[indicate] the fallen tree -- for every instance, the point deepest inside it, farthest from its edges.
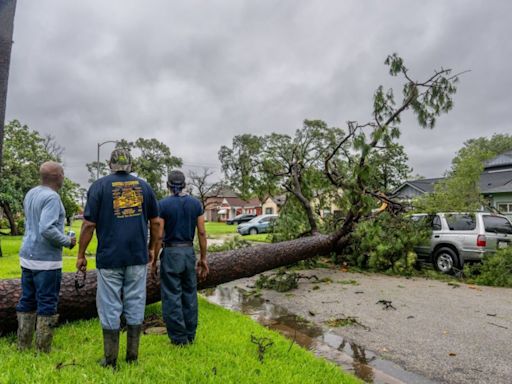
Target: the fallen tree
(226, 266)
(349, 171)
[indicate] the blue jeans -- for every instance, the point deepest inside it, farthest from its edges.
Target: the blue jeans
(40, 291)
(178, 286)
(121, 291)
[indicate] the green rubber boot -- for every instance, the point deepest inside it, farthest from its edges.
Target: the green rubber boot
(110, 348)
(132, 342)
(44, 332)
(26, 328)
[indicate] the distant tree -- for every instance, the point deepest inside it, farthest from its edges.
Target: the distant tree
(24, 152)
(202, 188)
(69, 195)
(389, 164)
(239, 162)
(152, 160)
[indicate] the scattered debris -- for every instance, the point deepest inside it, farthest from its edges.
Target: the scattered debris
(491, 314)
(345, 322)
(311, 313)
(474, 287)
(499, 326)
(348, 282)
(63, 365)
(263, 344)
(401, 286)
(358, 292)
(282, 281)
(315, 287)
(454, 285)
(293, 340)
(387, 304)
(410, 317)
(153, 321)
(330, 302)
(452, 354)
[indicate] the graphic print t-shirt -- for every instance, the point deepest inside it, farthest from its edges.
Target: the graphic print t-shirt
(121, 205)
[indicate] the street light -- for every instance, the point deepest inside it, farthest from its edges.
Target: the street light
(98, 158)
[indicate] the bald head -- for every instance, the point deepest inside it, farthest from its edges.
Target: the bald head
(52, 175)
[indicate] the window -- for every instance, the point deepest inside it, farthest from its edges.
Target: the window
(497, 224)
(436, 223)
(505, 207)
(461, 221)
(269, 211)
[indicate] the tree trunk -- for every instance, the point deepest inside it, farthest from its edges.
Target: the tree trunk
(10, 218)
(224, 267)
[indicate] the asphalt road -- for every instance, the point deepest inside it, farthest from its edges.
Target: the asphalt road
(450, 334)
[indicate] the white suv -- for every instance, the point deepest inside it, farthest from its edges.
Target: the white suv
(459, 237)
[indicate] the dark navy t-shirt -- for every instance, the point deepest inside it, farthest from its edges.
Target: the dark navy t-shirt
(121, 205)
(180, 214)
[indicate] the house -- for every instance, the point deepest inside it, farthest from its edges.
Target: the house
(226, 205)
(495, 184)
(272, 205)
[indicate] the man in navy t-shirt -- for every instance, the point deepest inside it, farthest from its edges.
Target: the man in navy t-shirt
(119, 207)
(181, 215)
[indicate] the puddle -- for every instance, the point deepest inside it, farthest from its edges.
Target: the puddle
(352, 357)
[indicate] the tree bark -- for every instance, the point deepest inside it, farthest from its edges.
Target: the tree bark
(10, 219)
(224, 267)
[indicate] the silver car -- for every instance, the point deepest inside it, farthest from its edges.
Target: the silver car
(459, 237)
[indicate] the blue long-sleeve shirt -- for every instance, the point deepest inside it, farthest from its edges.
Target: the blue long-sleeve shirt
(44, 230)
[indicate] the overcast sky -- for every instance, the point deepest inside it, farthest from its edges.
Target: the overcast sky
(195, 73)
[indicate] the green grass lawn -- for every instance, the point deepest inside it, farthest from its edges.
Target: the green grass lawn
(214, 229)
(260, 238)
(10, 264)
(223, 353)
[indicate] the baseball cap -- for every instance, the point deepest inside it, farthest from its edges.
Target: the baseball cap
(121, 160)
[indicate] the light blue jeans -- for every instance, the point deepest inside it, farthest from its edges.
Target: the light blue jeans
(121, 291)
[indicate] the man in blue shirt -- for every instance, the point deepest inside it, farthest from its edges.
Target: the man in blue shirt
(119, 207)
(41, 259)
(181, 215)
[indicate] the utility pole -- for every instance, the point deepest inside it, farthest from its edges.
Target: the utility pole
(7, 9)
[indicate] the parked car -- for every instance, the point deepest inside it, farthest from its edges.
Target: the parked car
(461, 237)
(259, 224)
(240, 219)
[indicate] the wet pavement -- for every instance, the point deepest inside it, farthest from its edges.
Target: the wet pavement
(447, 333)
(350, 356)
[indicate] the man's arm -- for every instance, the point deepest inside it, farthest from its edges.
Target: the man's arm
(48, 224)
(202, 264)
(86, 233)
(155, 238)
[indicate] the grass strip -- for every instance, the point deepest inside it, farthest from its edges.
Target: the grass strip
(223, 353)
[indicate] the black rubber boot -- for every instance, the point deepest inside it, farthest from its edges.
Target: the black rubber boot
(110, 348)
(44, 332)
(133, 333)
(26, 328)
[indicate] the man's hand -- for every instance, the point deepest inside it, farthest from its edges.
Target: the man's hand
(81, 264)
(202, 269)
(72, 242)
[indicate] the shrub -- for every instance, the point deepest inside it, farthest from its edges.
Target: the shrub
(385, 243)
(494, 270)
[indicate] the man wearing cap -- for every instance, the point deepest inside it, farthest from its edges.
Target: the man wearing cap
(119, 207)
(41, 259)
(181, 214)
